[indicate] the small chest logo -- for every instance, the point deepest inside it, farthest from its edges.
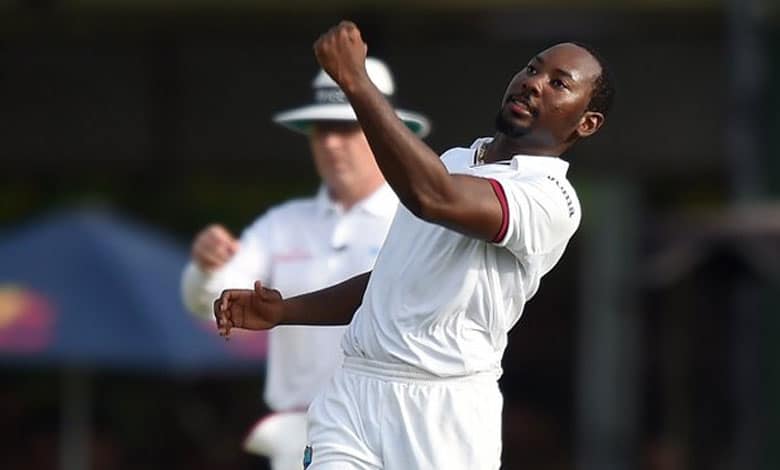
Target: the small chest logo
(307, 456)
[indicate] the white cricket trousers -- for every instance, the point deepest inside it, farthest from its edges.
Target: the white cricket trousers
(387, 416)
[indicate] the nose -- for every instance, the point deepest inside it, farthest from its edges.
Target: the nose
(330, 138)
(532, 84)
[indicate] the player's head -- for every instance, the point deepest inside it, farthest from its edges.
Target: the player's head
(563, 94)
(341, 152)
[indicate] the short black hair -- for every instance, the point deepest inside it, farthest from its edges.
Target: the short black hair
(604, 89)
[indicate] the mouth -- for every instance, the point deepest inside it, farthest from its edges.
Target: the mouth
(521, 106)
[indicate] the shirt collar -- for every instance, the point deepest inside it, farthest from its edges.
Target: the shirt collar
(377, 203)
(380, 201)
(531, 163)
(538, 164)
(323, 202)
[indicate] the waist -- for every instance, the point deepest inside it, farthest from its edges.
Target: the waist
(392, 371)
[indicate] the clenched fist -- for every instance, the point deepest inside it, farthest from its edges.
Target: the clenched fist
(213, 247)
(341, 52)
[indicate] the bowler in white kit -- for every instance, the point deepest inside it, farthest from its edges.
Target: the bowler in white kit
(478, 229)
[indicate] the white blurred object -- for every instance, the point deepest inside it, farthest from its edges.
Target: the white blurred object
(281, 437)
(331, 104)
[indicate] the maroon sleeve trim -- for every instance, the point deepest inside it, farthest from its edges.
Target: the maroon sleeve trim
(499, 190)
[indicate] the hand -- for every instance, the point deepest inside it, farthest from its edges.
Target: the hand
(258, 309)
(213, 247)
(341, 52)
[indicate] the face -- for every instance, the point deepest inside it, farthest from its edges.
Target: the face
(343, 158)
(546, 102)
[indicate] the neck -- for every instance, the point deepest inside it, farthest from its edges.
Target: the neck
(349, 196)
(503, 148)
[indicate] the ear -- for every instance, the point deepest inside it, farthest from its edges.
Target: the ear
(589, 124)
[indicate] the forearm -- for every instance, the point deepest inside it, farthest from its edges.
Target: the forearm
(412, 169)
(335, 305)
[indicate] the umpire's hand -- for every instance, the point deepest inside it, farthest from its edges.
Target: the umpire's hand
(213, 247)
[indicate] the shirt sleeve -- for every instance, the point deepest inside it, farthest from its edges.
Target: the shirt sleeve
(539, 214)
(252, 261)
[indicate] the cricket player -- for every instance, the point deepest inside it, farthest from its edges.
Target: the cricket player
(477, 230)
(301, 246)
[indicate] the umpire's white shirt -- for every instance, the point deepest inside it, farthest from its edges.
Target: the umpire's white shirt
(443, 302)
(297, 247)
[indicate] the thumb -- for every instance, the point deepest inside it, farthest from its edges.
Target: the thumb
(232, 246)
(261, 291)
(265, 294)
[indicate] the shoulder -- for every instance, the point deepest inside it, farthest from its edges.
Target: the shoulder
(458, 157)
(287, 211)
(551, 193)
(543, 211)
(462, 157)
(300, 204)
(564, 194)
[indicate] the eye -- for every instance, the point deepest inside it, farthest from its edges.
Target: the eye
(530, 69)
(558, 83)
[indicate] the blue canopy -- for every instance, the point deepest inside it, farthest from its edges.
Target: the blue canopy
(85, 288)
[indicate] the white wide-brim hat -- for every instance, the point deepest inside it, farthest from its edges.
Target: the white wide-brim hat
(330, 103)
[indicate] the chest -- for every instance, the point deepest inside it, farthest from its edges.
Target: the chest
(310, 253)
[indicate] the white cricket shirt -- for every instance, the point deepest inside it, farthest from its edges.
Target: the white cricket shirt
(297, 247)
(442, 302)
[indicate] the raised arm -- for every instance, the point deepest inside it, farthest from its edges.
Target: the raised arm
(466, 204)
(263, 308)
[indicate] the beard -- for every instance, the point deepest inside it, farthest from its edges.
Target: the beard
(507, 128)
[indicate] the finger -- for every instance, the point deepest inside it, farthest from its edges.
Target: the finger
(218, 302)
(217, 240)
(227, 327)
(224, 303)
(224, 240)
(218, 231)
(228, 249)
(221, 305)
(350, 29)
(232, 246)
(209, 260)
(211, 253)
(205, 236)
(224, 325)
(214, 254)
(213, 237)
(217, 309)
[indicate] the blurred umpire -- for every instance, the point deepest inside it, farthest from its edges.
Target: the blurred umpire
(300, 246)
